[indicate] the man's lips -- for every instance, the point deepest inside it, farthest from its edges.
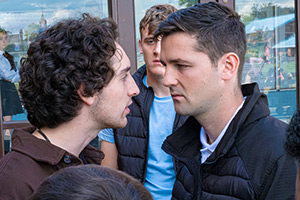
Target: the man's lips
(127, 108)
(176, 96)
(157, 62)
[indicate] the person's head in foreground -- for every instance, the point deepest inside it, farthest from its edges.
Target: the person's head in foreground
(92, 182)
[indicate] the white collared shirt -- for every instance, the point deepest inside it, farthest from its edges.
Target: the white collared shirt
(208, 149)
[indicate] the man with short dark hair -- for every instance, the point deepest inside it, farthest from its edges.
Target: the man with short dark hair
(75, 81)
(230, 147)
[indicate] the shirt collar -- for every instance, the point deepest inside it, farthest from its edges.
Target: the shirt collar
(44, 151)
(1, 52)
(210, 148)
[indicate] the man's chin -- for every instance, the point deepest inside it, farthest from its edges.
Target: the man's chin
(121, 124)
(181, 111)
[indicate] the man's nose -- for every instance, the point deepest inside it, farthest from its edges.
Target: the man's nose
(133, 88)
(170, 78)
(157, 47)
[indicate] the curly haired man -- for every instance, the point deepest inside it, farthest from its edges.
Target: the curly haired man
(74, 82)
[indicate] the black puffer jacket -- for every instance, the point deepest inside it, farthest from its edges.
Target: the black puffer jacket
(132, 141)
(248, 163)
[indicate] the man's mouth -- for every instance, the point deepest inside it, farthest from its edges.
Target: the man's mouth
(176, 96)
(157, 62)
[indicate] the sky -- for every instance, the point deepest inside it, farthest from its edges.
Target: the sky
(18, 14)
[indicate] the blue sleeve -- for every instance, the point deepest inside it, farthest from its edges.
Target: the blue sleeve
(107, 135)
(5, 72)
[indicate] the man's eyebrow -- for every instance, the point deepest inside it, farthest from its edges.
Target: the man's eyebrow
(175, 60)
(149, 38)
(125, 70)
(178, 60)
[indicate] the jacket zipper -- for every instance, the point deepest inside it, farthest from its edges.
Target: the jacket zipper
(146, 115)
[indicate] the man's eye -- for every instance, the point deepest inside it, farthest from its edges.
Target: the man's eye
(150, 41)
(182, 66)
(124, 77)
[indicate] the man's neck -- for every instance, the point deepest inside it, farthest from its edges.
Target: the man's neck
(71, 136)
(157, 84)
(215, 121)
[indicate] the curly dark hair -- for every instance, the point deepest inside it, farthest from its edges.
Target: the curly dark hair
(292, 144)
(70, 54)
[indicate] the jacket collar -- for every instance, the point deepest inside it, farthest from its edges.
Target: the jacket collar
(144, 91)
(185, 142)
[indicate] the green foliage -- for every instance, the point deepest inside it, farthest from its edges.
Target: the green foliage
(265, 10)
(187, 3)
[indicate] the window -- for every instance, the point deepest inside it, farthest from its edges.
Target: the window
(271, 55)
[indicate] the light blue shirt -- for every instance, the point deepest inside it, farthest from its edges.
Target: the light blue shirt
(5, 70)
(208, 149)
(107, 135)
(160, 174)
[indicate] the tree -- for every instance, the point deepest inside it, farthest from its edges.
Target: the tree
(187, 3)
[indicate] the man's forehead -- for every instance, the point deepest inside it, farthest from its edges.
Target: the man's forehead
(145, 32)
(119, 61)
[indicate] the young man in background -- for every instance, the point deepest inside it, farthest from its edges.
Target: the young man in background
(136, 149)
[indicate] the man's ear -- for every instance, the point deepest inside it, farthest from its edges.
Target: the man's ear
(88, 100)
(140, 46)
(230, 64)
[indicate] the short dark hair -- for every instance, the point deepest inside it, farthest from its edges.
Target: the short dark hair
(93, 182)
(154, 16)
(70, 54)
(292, 144)
(218, 30)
